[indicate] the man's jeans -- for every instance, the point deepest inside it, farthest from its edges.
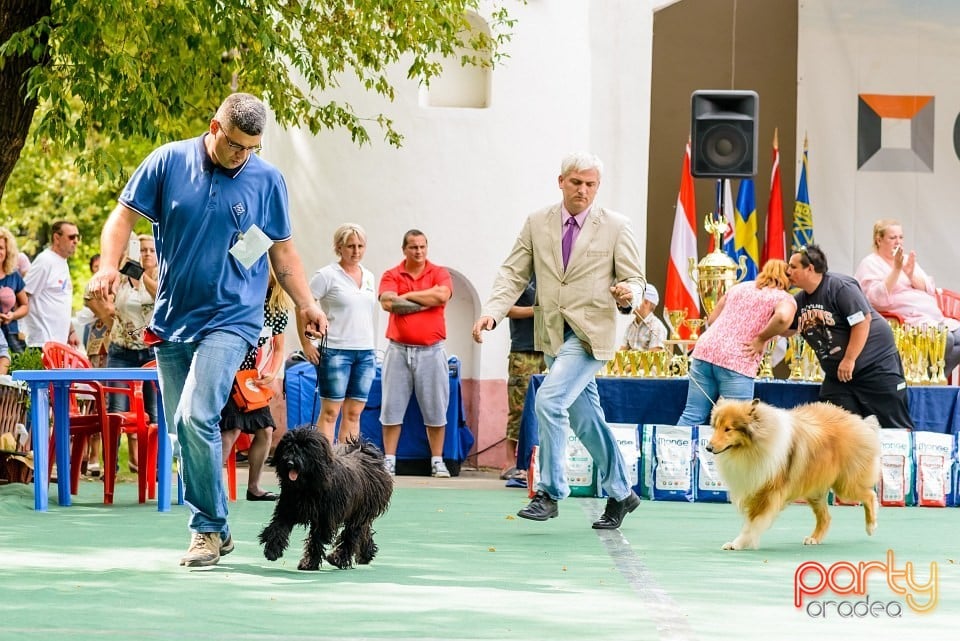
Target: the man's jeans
(569, 395)
(195, 381)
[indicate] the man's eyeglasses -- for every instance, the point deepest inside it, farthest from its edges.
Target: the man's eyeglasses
(237, 146)
(70, 236)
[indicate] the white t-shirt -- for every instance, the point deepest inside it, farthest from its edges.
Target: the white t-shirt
(350, 309)
(50, 291)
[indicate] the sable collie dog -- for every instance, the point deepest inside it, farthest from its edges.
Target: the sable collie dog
(769, 457)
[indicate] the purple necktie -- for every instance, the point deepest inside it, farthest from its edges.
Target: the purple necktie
(566, 245)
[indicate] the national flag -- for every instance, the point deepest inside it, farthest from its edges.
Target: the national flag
(802, 214)
(745, 231)
(681, 291)
(774, 244)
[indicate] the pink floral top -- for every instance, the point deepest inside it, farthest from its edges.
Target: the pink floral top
(746, 311)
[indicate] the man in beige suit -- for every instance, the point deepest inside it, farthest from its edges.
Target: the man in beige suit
(588, 270)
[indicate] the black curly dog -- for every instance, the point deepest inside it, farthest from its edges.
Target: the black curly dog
(328, 489)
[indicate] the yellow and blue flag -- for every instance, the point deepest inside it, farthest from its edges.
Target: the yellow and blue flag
(745, 232)
(802, 214)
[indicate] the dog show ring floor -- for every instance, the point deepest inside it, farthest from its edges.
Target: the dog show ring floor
(456, 563)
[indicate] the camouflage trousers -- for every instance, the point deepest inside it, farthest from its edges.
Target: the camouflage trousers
(520, 367)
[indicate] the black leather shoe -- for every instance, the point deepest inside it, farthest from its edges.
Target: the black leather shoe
(615, 511)
(541, 508)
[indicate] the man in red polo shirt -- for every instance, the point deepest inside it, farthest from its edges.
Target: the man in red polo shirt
(415, 293)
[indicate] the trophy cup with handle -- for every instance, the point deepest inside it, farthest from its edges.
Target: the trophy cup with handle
(694, 325)
(716, 272)
(796, 357)
(676, 317)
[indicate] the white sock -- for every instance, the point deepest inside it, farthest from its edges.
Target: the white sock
(436, 459)
(390, 457)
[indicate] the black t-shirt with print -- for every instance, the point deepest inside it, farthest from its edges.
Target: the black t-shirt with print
(825, 317)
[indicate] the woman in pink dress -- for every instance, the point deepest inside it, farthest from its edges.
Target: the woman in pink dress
(894, 282)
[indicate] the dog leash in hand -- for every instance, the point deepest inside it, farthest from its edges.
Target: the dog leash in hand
(322, 349)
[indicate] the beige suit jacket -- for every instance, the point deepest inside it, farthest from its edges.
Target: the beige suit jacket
(605, 254)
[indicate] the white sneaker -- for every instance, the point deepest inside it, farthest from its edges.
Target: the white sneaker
(390, 465)
(439, 470)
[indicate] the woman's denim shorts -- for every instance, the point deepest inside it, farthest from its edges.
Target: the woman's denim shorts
(347, 373)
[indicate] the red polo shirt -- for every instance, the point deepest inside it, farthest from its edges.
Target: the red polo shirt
(426, 327)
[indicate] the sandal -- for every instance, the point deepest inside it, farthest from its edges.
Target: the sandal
(266, 496)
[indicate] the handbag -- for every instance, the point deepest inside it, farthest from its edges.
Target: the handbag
(247, 395)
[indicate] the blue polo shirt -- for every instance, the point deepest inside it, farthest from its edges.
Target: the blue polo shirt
(198, 211)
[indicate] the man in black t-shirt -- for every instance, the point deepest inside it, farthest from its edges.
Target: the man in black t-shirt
(854, 344)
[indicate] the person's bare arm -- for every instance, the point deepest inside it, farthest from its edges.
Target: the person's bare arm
(290, 276)
(433, 297)
(113, 241)
(393, 303)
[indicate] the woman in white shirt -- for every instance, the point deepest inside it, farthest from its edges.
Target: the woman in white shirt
(347, 292)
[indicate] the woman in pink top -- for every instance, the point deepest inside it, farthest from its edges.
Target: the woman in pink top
(725, 360)
(894, 282)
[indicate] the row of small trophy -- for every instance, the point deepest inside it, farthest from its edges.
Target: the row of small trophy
(635, 362)
(922, 351)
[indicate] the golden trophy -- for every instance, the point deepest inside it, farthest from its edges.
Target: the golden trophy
(937, 347)
(677, 318)
(766, 363)
(694, 325)
(636, 363)
(716, 272)
(797, 345)
(648, 362)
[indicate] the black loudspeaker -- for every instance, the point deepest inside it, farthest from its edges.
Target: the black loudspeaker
(724, 133)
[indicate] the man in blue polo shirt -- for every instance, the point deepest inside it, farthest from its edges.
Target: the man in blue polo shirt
(217, 210)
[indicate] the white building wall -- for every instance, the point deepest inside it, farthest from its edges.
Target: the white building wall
(578, 77)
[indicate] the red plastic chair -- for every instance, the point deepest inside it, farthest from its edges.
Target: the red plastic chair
(136, 421)
(242, 444)
(893, 316)
(949, 302)
(86, 422)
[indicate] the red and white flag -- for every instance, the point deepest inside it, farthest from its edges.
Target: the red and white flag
(774, 243)
(680, 291)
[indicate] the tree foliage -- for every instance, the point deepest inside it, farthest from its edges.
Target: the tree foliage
(99, 73)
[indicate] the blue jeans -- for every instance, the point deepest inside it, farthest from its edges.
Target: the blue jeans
(708, 382)
(568, 396)
(195, 380)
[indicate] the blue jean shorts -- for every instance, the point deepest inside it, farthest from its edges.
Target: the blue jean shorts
(347, 373)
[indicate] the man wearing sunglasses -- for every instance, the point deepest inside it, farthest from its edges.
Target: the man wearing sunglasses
(217, 212)
(50, 290)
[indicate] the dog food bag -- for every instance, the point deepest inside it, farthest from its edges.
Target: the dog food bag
(708, 486)
(579, 468)
(893, 480)
(673, 459)
(646, 462)
(629, 444)
(931, 489)
(896, 459)
(935, 452)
